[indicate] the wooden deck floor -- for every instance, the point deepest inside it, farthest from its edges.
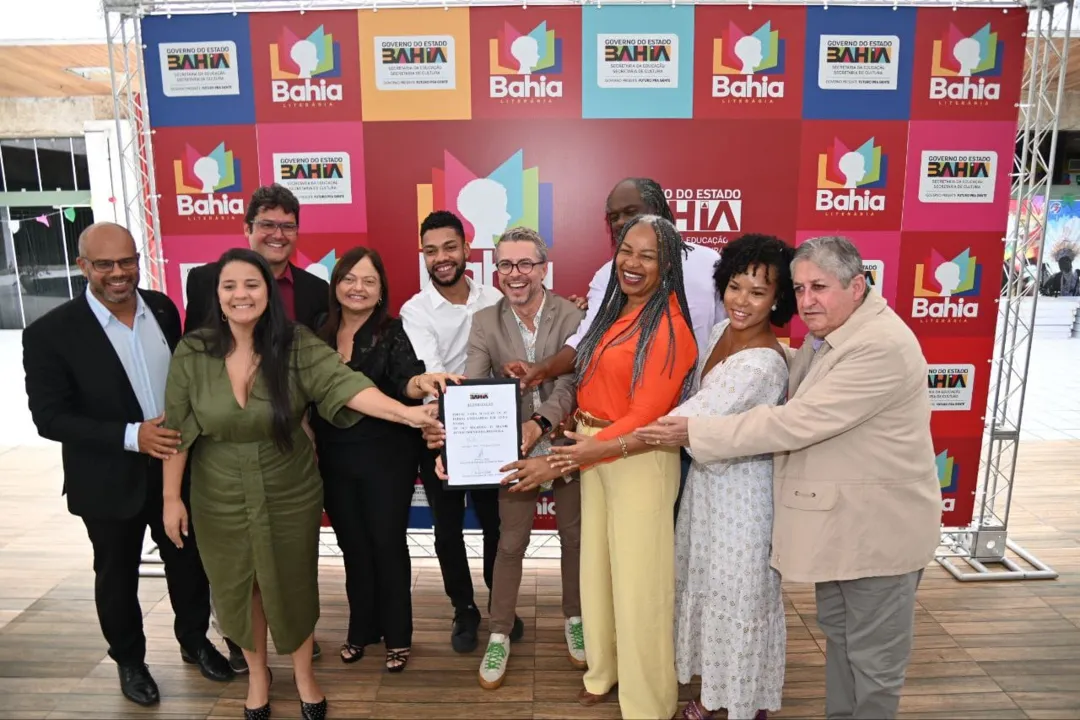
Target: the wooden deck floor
(982, 650)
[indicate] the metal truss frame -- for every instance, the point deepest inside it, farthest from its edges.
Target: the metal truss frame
(123, 33)
(986, 540)
(981, 544)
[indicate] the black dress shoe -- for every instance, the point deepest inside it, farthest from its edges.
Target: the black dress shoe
(466, 623)
(212, 664)
(138, 685)
(519, 630)
(237, 661)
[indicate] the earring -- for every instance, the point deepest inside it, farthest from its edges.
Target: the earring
(378, 302)
(223, 318)
(774, 306)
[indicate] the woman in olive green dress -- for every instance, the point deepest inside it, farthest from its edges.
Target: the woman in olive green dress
(240, 388)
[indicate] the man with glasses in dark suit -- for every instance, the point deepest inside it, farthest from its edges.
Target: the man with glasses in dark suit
(95, 378)
(272, 224)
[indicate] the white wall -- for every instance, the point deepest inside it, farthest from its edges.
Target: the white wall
(16, 427)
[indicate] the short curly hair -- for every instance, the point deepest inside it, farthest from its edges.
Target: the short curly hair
(775, 255)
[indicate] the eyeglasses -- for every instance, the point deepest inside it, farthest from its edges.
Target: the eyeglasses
(505, 267)
(269, 227)
(104, 266)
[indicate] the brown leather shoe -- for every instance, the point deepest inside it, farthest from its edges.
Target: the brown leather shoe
(587, 699)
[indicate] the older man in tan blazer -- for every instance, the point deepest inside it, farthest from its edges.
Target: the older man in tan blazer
(858, 504)
(529, 323)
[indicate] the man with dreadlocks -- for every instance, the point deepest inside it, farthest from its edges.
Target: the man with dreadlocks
(642, 330)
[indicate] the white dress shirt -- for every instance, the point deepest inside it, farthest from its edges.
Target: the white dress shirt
(706, 305)
(439, 330)
(144, 353)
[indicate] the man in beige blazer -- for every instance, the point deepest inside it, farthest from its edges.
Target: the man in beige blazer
(858, 503)
(532, 323)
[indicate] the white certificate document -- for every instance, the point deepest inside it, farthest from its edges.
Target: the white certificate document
(483, 431)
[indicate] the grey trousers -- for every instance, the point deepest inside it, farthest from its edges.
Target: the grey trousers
(868, 624)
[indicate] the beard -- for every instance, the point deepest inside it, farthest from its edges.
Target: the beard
(459, 270)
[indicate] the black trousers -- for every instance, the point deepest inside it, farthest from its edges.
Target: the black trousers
(448, 510)
(118, 548)
(367, 490)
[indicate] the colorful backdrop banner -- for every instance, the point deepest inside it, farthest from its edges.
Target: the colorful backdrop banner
(894, 128)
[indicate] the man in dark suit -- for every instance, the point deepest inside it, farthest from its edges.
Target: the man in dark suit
(271, 224)
(95, 376)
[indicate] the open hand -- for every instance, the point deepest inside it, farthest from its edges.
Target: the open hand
(581, 302)
(156, 440)
(586, 450)
(529, 474)
(175, 519)
(435, 383)
(530, 433)
(422, 416)
(434, 436)
(673, 431)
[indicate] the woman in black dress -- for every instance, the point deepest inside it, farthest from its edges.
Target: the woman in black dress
(369, 470)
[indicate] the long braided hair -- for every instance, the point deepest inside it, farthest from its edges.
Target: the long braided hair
(671, 248)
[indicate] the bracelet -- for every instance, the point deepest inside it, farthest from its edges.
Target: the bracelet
(622, 444)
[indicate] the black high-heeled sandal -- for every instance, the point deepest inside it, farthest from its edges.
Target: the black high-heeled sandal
(399, 658)
(355, 653)
(262, 713)
(313, 711)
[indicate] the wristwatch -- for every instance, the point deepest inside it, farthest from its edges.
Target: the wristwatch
(543, 422)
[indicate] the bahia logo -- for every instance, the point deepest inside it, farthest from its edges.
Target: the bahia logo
(303, 70)
(510, 196)
(521, 65)
(851, 181)
(199, 174)
(963, 67)
(948, 474)
(747, 67)
(944, 288)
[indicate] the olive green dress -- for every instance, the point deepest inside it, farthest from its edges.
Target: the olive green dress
(255, 509)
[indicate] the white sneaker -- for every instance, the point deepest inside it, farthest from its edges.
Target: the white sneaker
(575, 642)
(493, 666)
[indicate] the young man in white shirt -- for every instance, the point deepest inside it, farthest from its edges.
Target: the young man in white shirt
(438, 320)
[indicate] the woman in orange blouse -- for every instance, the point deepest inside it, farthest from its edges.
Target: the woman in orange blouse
(635, 364)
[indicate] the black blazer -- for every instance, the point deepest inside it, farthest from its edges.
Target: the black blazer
(80, 396)
(310, 293)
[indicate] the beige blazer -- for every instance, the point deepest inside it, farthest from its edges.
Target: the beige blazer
(855, 483)
(495, 340)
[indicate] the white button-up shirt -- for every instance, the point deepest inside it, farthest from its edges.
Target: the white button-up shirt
(144, 353)
(439, 330)
(706, 305)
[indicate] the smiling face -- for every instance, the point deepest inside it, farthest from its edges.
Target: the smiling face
(749, 296)
(110, 262)
(272, 234)
(359, 291)
(519, 287)
(242, 292)
(444, 255)
(637, 262)
(824, 303)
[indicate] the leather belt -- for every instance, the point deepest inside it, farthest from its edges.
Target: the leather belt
(591, 421)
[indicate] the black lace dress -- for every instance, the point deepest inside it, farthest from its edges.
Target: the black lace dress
(369, 471)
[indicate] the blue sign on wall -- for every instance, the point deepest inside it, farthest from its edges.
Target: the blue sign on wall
(858, 63)
(198, 70)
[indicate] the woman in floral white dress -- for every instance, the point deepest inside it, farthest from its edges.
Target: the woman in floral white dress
(729, 616)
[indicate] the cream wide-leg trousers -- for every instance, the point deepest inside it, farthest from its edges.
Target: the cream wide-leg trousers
(628, 580)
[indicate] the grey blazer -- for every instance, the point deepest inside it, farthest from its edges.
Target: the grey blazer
(495, 340)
